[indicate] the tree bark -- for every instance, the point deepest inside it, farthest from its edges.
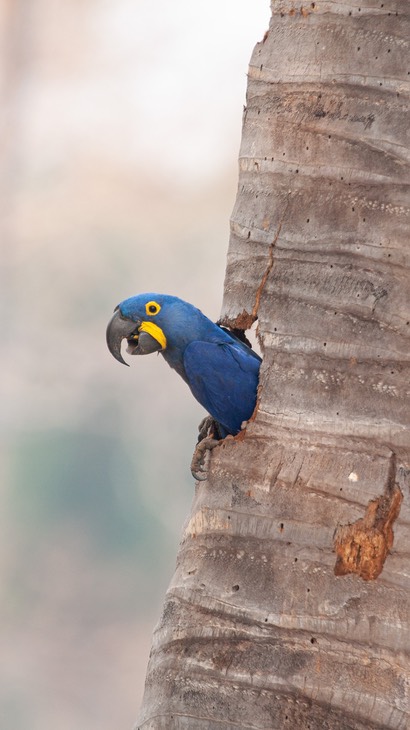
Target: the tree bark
(289, 606)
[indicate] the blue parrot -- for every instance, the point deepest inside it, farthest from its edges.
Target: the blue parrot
(221, 370)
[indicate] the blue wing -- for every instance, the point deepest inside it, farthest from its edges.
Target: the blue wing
(223, 377)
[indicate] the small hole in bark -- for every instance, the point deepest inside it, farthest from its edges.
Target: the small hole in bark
(364, 220)
(308, 590)
(295, 560)
(337, 413)
(307, 220)
(358, 48)
(312, 5)
(388, 50)
(235, 588)
(313, 640)
(281, 526)
(341, 177)
(324, 344)
(341, 489)
(266, 620)
(229, 517)
(296, 170)
(353, 209)
(331, 266)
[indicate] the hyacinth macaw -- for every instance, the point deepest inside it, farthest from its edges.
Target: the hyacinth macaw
(221, 370)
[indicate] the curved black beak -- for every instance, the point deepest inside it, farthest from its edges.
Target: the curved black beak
(139, 343)
(119, 328)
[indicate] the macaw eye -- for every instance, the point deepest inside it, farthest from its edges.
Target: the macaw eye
(152, 308)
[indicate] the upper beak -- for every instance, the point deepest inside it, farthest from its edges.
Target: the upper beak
(120, 328)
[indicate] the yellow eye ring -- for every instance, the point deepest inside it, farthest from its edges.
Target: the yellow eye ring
(152, 308)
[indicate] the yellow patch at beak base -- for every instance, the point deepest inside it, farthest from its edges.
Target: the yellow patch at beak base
(155, 332)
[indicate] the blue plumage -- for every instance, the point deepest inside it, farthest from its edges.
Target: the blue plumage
(221, 371)
(223, 378)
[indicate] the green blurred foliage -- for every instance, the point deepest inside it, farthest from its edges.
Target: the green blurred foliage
(61, 476)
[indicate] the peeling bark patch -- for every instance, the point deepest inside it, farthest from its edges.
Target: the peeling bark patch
(243, 321)
(362, 547)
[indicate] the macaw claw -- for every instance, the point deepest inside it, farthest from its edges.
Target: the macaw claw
(198, 469)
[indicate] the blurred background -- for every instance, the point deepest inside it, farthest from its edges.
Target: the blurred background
(120, 129)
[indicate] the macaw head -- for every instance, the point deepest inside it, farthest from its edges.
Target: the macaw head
(151, 323)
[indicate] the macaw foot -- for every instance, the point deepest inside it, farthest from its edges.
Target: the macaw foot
(206, 443)
(207, 427)
(210, 434)
(210, 427)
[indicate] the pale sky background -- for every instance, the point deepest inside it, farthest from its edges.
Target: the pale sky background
(152, 83)
(121, 128)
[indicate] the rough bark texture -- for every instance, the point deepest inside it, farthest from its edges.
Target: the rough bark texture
(290, 604)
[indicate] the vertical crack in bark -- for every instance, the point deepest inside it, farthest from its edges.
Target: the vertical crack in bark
(362, 547)
(268, 269)
(245, 320)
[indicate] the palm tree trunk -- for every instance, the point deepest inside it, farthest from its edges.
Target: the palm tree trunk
(290, 603)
